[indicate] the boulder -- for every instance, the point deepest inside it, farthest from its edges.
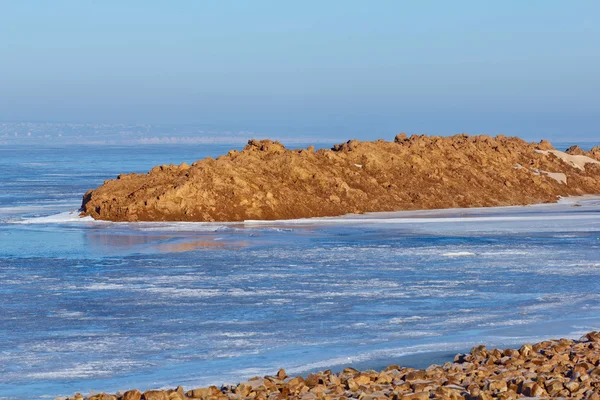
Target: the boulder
(132, 395)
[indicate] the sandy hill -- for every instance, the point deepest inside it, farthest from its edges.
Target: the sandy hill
(268, 181)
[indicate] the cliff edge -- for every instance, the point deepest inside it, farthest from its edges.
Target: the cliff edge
(267, 181)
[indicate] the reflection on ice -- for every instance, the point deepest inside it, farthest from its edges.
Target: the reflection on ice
(102, 240)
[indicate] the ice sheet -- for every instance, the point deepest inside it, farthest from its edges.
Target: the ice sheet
(163, 304)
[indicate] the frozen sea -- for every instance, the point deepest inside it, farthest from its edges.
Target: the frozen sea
(87, 305)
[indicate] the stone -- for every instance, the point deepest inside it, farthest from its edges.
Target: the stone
(281, 374)
(575, 150)
(497, 386)
(256, 383)
(508, 395)
(132, 395)
(525, 350)
(296, 384)
(102, 396)
(362, 380)
(352, 385)
(243, 390)
(416, 396)
(156, 395)
(545, 145)
(554, 387)
(200, 393)
(384, 378)
(415, 375)
(572, 386)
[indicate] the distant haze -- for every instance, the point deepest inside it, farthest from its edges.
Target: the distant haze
(310, 69)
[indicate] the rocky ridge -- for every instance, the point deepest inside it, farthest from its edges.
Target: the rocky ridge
(549, 369)
(576, 150)
(267, 181)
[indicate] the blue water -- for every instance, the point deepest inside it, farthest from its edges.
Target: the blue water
(587, 146)
(102, 306)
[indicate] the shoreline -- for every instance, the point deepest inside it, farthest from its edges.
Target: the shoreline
(419, 359)
(550, 368)
(73, 216)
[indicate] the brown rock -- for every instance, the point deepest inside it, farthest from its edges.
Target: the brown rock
(509, 395)
(532, 389)
(575, 150)
(296, 384)
(200, 393)
(554, 387)
(312, 380)
(267, 181)
(156, 395)
(242, 389)
(545, 145)
(592, 395)
(416, 396)
(102, 396)
(256, 383)
(281, 374)
(384, 378)
(572, 386)
(362, 379)
(497, 386)
(352, 385)
(415, 375)
(444, 392)
(424, 386)
(526, 350)
(132, 395)
(592, 336)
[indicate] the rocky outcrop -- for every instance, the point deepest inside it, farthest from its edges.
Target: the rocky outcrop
(575, 151)
(550, 369)
(267, 181)
(578, 151)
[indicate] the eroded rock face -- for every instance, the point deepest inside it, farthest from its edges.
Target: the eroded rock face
(549, 369)
(268, 181)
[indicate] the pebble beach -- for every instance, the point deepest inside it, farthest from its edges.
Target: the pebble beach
(560, 368)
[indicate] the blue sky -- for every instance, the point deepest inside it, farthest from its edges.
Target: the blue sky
(365, 69)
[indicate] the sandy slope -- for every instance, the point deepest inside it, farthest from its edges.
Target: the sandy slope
(268, 181)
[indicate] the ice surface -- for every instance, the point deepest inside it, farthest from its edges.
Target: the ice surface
(163, 304)
(60, 218)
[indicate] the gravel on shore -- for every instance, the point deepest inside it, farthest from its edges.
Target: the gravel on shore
(550, 369)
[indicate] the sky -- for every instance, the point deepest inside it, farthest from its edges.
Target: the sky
(364, 69)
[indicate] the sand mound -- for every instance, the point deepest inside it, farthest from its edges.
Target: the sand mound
(268, 181)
